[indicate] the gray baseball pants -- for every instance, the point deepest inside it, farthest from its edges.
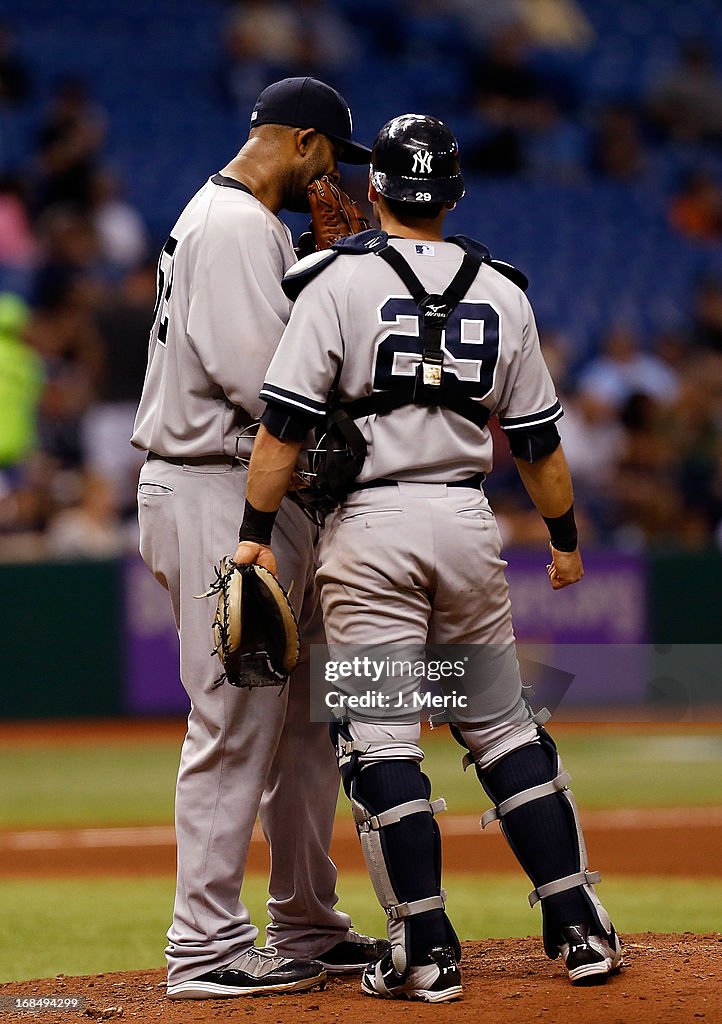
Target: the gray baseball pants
(246, 752)
(410, 563)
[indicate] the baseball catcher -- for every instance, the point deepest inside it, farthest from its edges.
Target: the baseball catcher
(413, 555)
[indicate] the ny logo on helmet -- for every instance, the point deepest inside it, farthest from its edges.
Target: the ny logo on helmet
(422, 163)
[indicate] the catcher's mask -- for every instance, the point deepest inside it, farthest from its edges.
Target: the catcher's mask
(333, 463)
(415, 159)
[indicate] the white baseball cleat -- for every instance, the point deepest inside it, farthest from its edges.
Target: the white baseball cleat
(590, 959)
(436, 981)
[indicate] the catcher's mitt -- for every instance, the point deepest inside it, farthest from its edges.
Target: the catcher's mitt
(334, 214)
(255, 629)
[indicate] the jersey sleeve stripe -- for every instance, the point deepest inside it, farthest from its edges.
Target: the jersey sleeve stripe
(271, 393)
(549, 415)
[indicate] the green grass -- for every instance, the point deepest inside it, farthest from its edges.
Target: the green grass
(103, 784)
(91, 926)
(674, 770)
(132, 783)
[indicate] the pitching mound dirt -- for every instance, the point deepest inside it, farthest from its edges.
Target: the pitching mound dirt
(667, 979)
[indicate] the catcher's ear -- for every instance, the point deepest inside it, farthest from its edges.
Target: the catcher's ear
(373, 194)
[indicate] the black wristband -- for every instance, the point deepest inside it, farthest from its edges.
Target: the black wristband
(256, 526)
(563, 530)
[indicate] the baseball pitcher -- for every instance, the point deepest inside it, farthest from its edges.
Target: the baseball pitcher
(219, 314)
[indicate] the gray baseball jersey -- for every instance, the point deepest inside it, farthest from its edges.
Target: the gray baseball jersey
(417, 561)
(219, 315)
(356, 324)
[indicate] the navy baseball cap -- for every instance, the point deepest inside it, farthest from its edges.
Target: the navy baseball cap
(308, 103)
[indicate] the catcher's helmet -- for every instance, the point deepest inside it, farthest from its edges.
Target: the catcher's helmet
(415, 159)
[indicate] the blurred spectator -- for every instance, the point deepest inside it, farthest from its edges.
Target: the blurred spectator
(593, 441)
(484, 22)
(707, 315)
(123, 322)
(21, 380)
(89, 528)
(18, 247)
(646, 482)
(696, 211)
(268, 31)
(263, 41)
(70, 256)
(508, 97)
(437, 55)
(616, 150)
(555, 146)
(328, 42)
(121, 232)
(14, 71)
(557, 23)
(687, 104)
(259, 44)
(62, 331)
(69, 145)
(549, 23)
(524, 108)
(645, 423)
(674, 348)
(622, 371)
(698, 437)
(25, 507)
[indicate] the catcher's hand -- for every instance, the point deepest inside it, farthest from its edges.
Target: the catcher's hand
(254, 629)
(334, 214)
(565, 568)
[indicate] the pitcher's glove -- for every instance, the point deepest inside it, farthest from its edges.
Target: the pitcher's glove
(255, 629)
(334, 214)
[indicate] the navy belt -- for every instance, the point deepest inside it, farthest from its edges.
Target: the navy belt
(470, 481)
(197, 460)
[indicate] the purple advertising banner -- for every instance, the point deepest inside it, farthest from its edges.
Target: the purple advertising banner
(608, 606)
(585, 644)
(582, 645)
(153, 686)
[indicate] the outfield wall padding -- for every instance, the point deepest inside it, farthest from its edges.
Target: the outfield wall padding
(61, 640)
(96, 638)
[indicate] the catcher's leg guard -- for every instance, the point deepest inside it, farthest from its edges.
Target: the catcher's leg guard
(400, 842)
(523, 775)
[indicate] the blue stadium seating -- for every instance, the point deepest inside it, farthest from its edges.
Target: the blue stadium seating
(594, 252)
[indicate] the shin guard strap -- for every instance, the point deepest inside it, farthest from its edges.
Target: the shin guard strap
(369, 752)
(477, 756)
(400, 910)
(365, 822)
(561, 884)
(519, 799)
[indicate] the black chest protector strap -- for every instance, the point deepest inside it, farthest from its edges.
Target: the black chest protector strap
(427, 385)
